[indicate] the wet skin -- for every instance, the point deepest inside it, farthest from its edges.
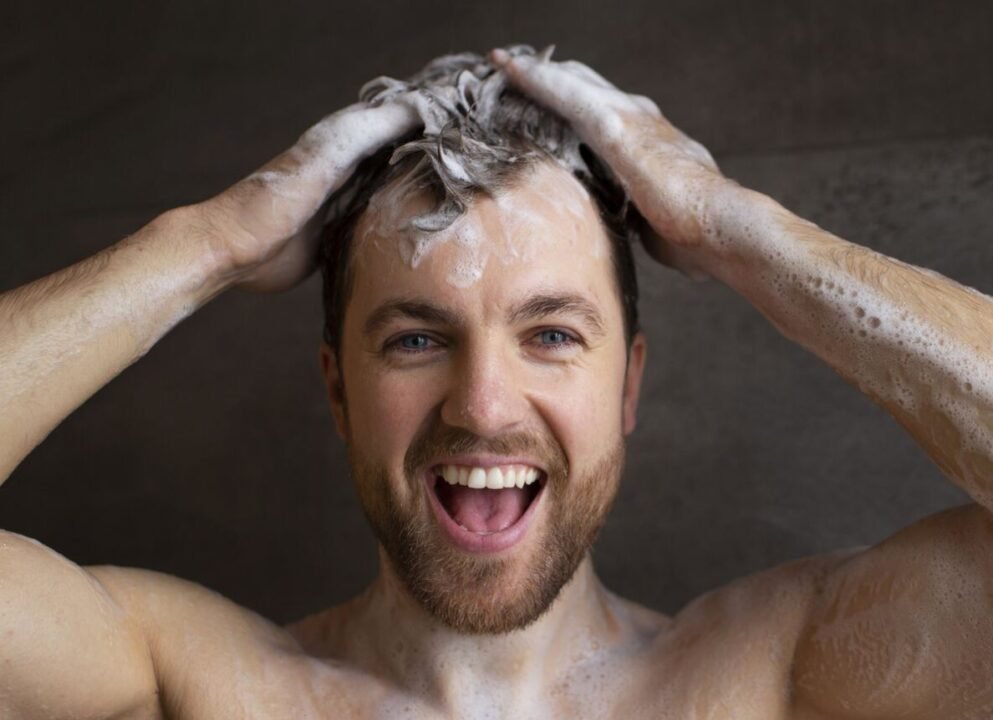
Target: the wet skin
(902, 629)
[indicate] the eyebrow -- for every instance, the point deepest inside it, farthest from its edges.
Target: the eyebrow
(540, 306)
(410, 309)
(534, 308)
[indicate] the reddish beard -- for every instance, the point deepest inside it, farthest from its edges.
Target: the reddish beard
(473, 594)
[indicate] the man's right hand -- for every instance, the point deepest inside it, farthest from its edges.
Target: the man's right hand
(66, 335)
(73, 645)
(265, 229)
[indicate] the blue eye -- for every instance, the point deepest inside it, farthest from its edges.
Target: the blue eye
(555, 337)
(414, 342)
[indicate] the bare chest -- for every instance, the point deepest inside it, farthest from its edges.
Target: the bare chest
(702, 669)
(728, 655)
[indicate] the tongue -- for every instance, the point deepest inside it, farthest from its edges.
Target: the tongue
(486, 511)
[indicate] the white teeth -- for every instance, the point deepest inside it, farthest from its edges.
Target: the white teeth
(509, 478)
(477, 478)
(493, 478)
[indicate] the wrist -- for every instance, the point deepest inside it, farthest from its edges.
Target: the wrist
(198, 243)
(737, 223)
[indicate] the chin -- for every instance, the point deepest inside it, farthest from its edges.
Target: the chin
(476, 588)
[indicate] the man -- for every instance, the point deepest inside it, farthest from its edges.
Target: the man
(483, 365)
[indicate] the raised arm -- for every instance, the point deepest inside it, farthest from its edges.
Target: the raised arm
(916, 342)
(66, 335)
(71, 643)
(904, 628)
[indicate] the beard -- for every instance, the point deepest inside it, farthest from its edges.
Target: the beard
(486, 595)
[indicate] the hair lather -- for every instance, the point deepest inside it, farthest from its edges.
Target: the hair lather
(479, 134)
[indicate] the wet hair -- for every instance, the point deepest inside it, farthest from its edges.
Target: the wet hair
(479, 137)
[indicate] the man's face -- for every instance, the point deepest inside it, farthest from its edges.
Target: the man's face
(497, 343)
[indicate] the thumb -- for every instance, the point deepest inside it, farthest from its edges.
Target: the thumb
(682, 258)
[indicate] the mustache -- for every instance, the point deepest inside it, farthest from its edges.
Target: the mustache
(440, 439)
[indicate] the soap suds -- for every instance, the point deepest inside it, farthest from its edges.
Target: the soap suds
(546, 207)
(915, 360)
(479, 139)
(301, 179)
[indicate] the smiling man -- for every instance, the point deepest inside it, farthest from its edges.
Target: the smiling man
(479, 375)
(503, 403)
(483, 364)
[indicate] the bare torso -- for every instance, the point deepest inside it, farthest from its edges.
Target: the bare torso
(728, 654)
(904, 629)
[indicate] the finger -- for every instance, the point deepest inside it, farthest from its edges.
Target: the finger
(326, 154)
(672, 255)
(585, 71)
(568, 91)
(278, 198)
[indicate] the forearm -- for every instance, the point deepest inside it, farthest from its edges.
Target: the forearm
(917, 343)
(66, 335)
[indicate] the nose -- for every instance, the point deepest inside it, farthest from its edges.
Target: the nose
(486, 395)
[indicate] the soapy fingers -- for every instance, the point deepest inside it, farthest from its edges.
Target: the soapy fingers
(267, 226)
(652, 158)
(575, 91)
(601, 114)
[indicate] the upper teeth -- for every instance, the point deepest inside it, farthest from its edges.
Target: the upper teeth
(494, 478)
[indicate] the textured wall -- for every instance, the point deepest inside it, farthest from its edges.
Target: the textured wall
(213, 458)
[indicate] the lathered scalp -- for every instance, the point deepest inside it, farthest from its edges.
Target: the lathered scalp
(477, 136)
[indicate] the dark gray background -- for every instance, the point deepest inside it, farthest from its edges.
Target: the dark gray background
(213, 458)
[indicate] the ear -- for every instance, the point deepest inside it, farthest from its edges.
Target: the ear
(336, 391)
(632, 382)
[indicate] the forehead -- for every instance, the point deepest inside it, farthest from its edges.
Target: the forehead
(543, 234)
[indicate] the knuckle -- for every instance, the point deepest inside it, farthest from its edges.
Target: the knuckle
(609, 126)
(647, 104)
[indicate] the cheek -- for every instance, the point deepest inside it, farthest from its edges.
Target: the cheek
(584, 411)
(385, 413)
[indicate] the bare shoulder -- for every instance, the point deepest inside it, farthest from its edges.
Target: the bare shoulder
(733, 646)
(905, 628)
(214, 658)
(779, 596)
(210, 654)
(171, 609)
(68, 648)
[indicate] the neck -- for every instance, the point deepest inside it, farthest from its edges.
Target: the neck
(414, 650)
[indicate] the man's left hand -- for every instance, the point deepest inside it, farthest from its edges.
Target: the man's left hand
(667, 174)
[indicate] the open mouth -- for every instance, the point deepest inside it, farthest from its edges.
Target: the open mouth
(485, 509)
